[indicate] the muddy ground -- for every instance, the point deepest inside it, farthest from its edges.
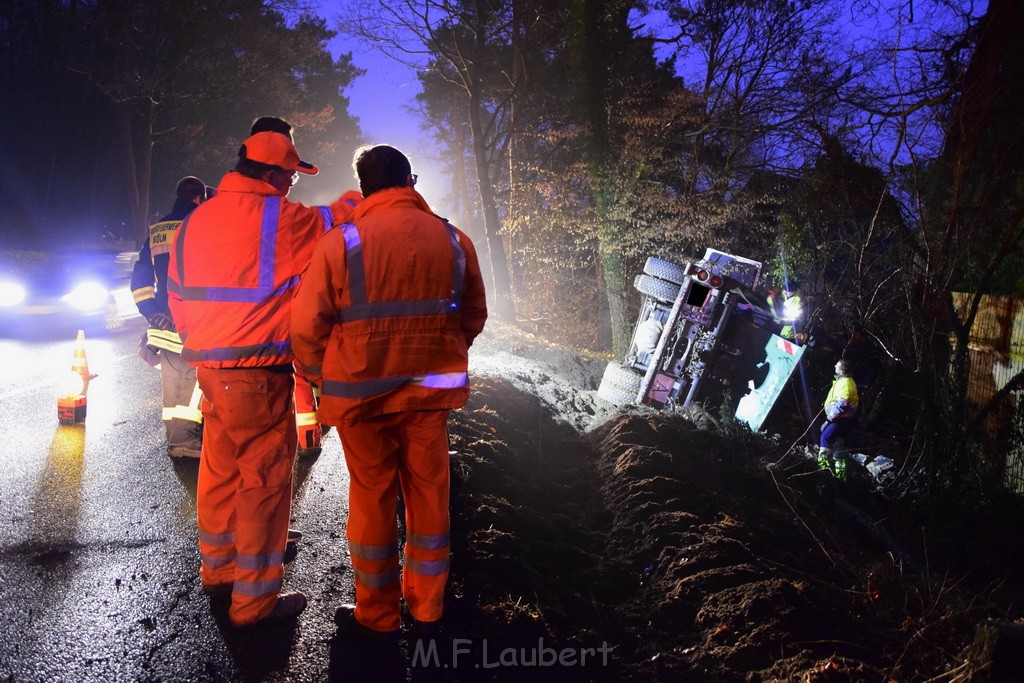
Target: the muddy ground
(597, 544)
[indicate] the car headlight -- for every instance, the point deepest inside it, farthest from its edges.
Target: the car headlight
(11, 294)
(87, 296)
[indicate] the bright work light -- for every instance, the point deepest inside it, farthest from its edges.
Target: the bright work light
(791, 309)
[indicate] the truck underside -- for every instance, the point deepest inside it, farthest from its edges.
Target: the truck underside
(703, 335)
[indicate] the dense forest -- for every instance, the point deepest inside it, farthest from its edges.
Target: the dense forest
(871, 149)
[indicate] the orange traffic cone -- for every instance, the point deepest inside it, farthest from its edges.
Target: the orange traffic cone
(80, 364)
(71, 404)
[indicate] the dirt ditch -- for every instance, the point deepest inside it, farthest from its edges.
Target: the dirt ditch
(657, 549)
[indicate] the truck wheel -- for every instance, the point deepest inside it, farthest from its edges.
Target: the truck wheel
(659, 289)
(666, 270)
(619, 385)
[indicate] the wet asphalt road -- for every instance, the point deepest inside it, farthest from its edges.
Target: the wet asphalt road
(98, 547)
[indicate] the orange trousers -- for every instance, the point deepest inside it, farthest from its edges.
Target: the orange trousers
(410, 450)
(245, 484)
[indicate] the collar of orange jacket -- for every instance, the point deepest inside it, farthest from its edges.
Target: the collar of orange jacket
(234, 181)
(392, 197)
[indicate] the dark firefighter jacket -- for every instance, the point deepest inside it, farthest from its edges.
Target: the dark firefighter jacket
(149, 278)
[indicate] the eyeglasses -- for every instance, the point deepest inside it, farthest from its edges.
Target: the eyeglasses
(413, 177)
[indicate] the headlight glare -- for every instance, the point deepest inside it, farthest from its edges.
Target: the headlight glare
(87, 296)
(11, 294)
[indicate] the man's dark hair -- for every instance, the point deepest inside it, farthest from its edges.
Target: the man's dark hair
(271, 124)
(189, 188)
(253, 169)
(379, 167)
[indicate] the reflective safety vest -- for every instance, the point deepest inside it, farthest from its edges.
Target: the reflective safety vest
(234, 268)
(399, 294)
(842, 400)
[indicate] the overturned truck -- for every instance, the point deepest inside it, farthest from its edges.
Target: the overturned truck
(703, 336)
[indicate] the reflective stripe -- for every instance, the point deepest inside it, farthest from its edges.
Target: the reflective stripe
(238, 295)
(261, 561)
(218, 561)
(196, 401)
(217, 539)
(325, 211)
(143, 293)
(165, 345)
(268, 240)
(354, 261)
(458, 265)
(427, 568)
(163, 339)
(372, 387)
(266, 350)
(376, 580)
(255, 589)
(444, 380)
(396, 309)
(428, 542)
(305, 419)
(182, 413)
(372, 552)
(315, 370)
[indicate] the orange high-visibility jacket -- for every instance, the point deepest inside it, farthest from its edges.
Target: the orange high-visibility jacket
(234, 269)
(387, 311)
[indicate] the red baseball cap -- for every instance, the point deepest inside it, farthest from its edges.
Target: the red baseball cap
(275, 149)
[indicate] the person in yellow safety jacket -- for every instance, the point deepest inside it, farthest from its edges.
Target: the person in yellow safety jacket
(792, 313)
(383, 321)
(181, 396)
(840, 408)
(307, 396)
(232, 275)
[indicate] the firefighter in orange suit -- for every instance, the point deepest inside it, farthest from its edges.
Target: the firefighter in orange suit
(233, 271)
(306, 399)
(383, 322)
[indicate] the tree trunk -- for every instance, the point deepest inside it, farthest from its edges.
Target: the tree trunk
(500, 285)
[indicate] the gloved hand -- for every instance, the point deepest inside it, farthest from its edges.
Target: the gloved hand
(161, 321)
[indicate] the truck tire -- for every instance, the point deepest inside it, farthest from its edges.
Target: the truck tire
(661, 290)
(666, 270)
(619, 385)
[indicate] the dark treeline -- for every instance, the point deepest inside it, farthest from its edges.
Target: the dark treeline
(107, 103)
